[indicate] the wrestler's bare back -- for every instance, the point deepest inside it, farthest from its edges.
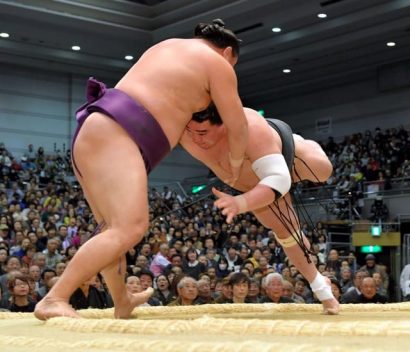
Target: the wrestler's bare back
(171, 80)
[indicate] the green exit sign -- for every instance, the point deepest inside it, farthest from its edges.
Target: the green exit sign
(376, 230)
(196, 189)
(371, 249)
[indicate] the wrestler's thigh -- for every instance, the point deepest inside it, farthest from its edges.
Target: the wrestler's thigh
(93, 205)
(113, 171)
(316, 166)
(268, 216)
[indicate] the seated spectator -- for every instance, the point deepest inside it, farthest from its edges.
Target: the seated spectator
(187, 289)
(289, 292)
(35, 275)
(224, 295)
(131, 257)
(52, 255)
(240, 287)
(322, 247)
(100, 285)
(39, 259)
(191, 266)
(368, 292)
(302, 289)
(380, 288)
(203, 260)
(286, 274)
(142, 262)
(60, 267)
(204, 291)
(333, 262)
(133, 285)
(248, 265)
(87, 296)
(371, 267)
(222, 269)
(273, 284)
(160, 260)
(212, 257)
(46, 275)
(264, 265)
(34, 296)
(336, 289)
(211, 272)
(3, 259)
(19, 250)
(147, 280)
(256, 256)
(163, 291)
(254, 295)
(346, 279)
(12, 264)
(352, 294)
(29, 253)
(3, 303)
(294, 273)
(4, 234)
(70, 252)
(19, 289)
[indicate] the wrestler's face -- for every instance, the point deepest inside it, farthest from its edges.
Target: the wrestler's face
(203, 134)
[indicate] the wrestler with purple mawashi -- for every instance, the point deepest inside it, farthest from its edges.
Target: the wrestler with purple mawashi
(124, 132)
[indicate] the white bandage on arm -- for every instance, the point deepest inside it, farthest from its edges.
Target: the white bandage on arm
(273, 172)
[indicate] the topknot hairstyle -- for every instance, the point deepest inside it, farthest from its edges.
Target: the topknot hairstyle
(218, 35)
(209, 114)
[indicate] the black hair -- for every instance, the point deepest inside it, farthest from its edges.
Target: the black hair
(209, 114)
(238, 278)
(47, 270)
(218, 35)
(145, 272)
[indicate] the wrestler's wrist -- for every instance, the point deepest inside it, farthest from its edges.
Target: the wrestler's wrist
(241, 203)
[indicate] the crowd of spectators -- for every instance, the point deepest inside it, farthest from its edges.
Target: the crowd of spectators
(189, 255)
(367, 162)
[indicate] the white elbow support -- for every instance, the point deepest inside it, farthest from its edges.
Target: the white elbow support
(273, 172)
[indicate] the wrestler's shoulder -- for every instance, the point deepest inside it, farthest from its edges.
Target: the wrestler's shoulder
(255, 120)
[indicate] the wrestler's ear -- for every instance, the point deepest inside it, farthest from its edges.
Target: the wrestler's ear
(228, 54)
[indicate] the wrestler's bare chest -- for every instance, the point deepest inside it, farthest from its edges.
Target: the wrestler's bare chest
(218, 162)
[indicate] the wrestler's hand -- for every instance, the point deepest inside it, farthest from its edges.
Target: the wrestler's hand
(230, 205)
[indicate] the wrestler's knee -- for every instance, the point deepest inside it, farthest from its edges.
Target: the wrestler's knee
(132, 231)
(326, 169)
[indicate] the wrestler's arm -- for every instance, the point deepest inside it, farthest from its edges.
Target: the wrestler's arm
(224, 94)
(262, 142)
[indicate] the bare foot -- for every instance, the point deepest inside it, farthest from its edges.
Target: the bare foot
(50, 307)
(331, 306)
(124, 310)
